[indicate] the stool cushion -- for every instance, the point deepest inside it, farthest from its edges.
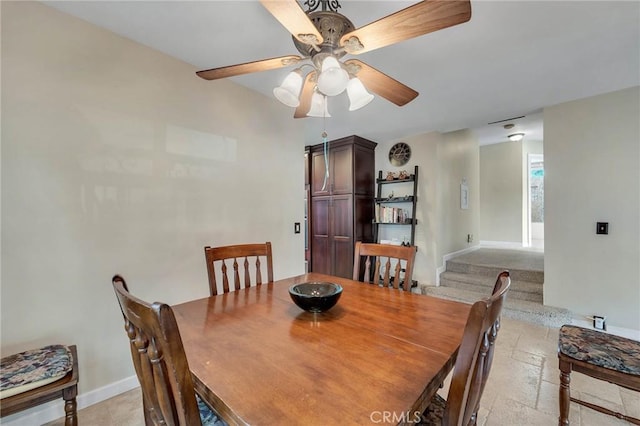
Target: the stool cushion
(33, 368)
(601, 349)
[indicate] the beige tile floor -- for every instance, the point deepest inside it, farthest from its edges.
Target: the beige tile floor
(522, 388)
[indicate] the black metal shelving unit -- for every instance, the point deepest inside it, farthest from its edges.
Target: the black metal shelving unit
(381, 202)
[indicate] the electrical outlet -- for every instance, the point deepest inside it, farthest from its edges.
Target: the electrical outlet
(469, 238)
(599, 322)
(602, 228)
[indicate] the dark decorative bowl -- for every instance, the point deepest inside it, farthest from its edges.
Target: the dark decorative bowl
(315, 296)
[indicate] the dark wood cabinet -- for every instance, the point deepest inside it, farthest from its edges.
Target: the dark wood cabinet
(339, 180)
(342, 208)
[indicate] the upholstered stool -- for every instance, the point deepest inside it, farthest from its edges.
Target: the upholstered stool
(599, 355)
(37, 376)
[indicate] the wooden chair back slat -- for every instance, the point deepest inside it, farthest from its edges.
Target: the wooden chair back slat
(159, 360)
(247, 276)
(225, 278)
(258, 271)
(242, 254)
(236, 275)
(398, 258)
(367, 267)
(475, 356)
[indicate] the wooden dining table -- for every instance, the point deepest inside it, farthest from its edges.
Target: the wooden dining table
(376, 357)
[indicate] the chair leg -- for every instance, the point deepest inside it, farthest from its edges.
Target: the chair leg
(70, 406)
(565, 392)
(148, 420)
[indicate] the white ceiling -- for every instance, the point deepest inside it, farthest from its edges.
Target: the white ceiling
(511, 59)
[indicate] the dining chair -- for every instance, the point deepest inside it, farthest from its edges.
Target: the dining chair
(160, 362)
(254, 258)
(473, 362)
(398, 263)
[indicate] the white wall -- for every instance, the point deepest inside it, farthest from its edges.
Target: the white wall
(501, 192)
(443, 161)
(592, 174)
(504, 215)
(424, 154)
(118, 159)
(459, 159)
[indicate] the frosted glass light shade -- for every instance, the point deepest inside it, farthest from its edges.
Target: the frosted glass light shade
(358, 95)
(288, 91)
(516, 137)
(333, 79)
(318, 106)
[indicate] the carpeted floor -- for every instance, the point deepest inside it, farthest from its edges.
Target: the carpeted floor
(508, 259)
(470, 277)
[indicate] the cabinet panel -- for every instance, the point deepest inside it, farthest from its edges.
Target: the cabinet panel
(342, 168)
(320, 238)
(363, 218)
(317, 175)
(343, 257)
(342, 216)
(320, 258)
(320, 214)
(364, 162)
(307, 166)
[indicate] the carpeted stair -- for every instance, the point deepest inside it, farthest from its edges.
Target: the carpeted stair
(471, 277)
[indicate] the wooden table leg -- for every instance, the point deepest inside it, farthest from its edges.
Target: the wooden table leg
(565, 392)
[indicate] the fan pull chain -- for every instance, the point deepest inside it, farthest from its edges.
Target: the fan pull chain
(326, 160)
(325, 143)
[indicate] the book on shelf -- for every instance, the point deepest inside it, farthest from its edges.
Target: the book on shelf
(387, 214)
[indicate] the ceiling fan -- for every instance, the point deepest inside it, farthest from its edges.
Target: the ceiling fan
(324, 36)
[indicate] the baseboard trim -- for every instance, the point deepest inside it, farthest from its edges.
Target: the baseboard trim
(55, 409)
(443, 266)
(503, 245)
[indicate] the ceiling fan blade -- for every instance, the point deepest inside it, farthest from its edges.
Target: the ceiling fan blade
(305, 95)
(248, 67)
(413, 21)
(381, 84)
(294, 19)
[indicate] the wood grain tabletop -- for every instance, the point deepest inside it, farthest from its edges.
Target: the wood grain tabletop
(258, 359)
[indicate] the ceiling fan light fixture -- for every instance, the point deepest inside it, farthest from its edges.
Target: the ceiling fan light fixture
(333, 79)
(516, 137)
(289, 90)
(358, 95)
(318, 106)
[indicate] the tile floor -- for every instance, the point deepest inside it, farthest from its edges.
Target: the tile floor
(522, 388)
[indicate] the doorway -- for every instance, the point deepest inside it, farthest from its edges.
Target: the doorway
(536, 200)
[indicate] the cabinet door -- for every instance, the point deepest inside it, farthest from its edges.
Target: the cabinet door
(340, 179)
(320, 248)
(341, 237)
(317, 175)
(341, 170)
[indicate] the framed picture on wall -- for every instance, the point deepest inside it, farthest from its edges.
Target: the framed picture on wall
(464, 195)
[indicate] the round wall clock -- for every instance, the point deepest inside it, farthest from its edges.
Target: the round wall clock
(399, 154)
